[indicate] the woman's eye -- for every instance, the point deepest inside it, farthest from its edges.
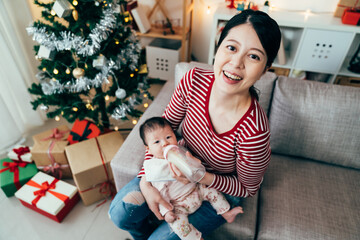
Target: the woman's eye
(231, 48)
(253, 56)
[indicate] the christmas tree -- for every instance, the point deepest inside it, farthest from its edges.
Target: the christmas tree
(90, 62)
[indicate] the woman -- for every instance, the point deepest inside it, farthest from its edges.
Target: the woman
(223, 126)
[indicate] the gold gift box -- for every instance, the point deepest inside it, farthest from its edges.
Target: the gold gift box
(90, 164)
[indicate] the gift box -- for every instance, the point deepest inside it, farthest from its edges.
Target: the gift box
(20, 153)
(90, 164)
(48, 152)
(14, 174)
(344, 4)
(49, 196)
(83, 130)
(351, 16)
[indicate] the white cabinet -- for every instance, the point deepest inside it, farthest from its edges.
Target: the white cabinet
(315, 43)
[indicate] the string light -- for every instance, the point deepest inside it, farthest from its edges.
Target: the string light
(134, 121)
(67, 71)
(75, 3)
(57, 118)
(62, 113)
(75, 109)
(52, 12)
(44, 69)
(146, 105)
(55, 71)
(131, 75)
(116, 128)
(107, 97)
(117, 42)
(136, 69)
(89, 106)
(145, 95)
(126, 19)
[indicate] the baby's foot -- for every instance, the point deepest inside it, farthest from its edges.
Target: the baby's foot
(230, 215)
(170, 217)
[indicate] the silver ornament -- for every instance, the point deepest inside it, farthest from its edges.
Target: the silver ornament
(44, 108)
(120, 93)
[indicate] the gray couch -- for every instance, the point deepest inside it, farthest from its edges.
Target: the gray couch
(311, 189)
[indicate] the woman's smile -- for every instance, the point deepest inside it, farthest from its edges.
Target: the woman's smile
(231, 78)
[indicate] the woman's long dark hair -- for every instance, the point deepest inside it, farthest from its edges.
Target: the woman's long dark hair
(266, 29)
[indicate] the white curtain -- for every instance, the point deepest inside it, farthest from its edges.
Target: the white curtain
(17, 71)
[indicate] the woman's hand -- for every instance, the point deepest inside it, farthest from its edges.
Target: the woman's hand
(208, 177)
(153, 198)
(177, 174)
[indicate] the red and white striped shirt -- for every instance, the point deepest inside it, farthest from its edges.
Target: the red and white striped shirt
(238, 157)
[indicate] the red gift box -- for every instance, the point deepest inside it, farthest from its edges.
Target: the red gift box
(83, 130)
(351, 16)
(49, 196)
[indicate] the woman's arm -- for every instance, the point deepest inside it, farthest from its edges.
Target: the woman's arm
(253, 157)
(176, 109)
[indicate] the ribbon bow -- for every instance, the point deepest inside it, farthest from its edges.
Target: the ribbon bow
(44, 188)
(54, 167)
(14, 167)
(21, 151)
(56, 135)
(84, 135)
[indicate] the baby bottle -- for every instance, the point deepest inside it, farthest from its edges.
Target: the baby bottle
(192, 169)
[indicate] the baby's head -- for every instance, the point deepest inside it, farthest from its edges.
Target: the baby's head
(156, 133)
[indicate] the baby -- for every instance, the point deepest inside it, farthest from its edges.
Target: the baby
(156, 134)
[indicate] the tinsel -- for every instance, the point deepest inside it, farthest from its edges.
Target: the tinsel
(120, 111)
(69, 41)
(127, 57)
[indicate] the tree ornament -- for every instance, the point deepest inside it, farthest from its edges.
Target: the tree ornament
(99, 63)
(78, 72)
(62, 8)
(75, 14)
(46, 53)
(44, 108)
(120, 93)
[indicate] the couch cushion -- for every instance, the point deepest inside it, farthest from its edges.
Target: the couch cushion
(266, 85)
(244, 227)
(302, 199)
(316, 120)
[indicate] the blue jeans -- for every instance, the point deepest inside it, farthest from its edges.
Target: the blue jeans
(133, 215)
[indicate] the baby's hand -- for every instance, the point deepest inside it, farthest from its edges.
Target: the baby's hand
(177, 174)
(170, 217)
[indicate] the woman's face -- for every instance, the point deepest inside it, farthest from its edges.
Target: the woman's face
(240, 60)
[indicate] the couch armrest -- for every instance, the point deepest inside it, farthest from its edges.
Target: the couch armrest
(128, 161)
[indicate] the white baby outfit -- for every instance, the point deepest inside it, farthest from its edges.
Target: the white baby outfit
(186, 198)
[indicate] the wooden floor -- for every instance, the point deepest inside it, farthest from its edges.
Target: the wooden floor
(82, 223)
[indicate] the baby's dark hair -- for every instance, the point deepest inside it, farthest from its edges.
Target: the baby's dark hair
(152, 124)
